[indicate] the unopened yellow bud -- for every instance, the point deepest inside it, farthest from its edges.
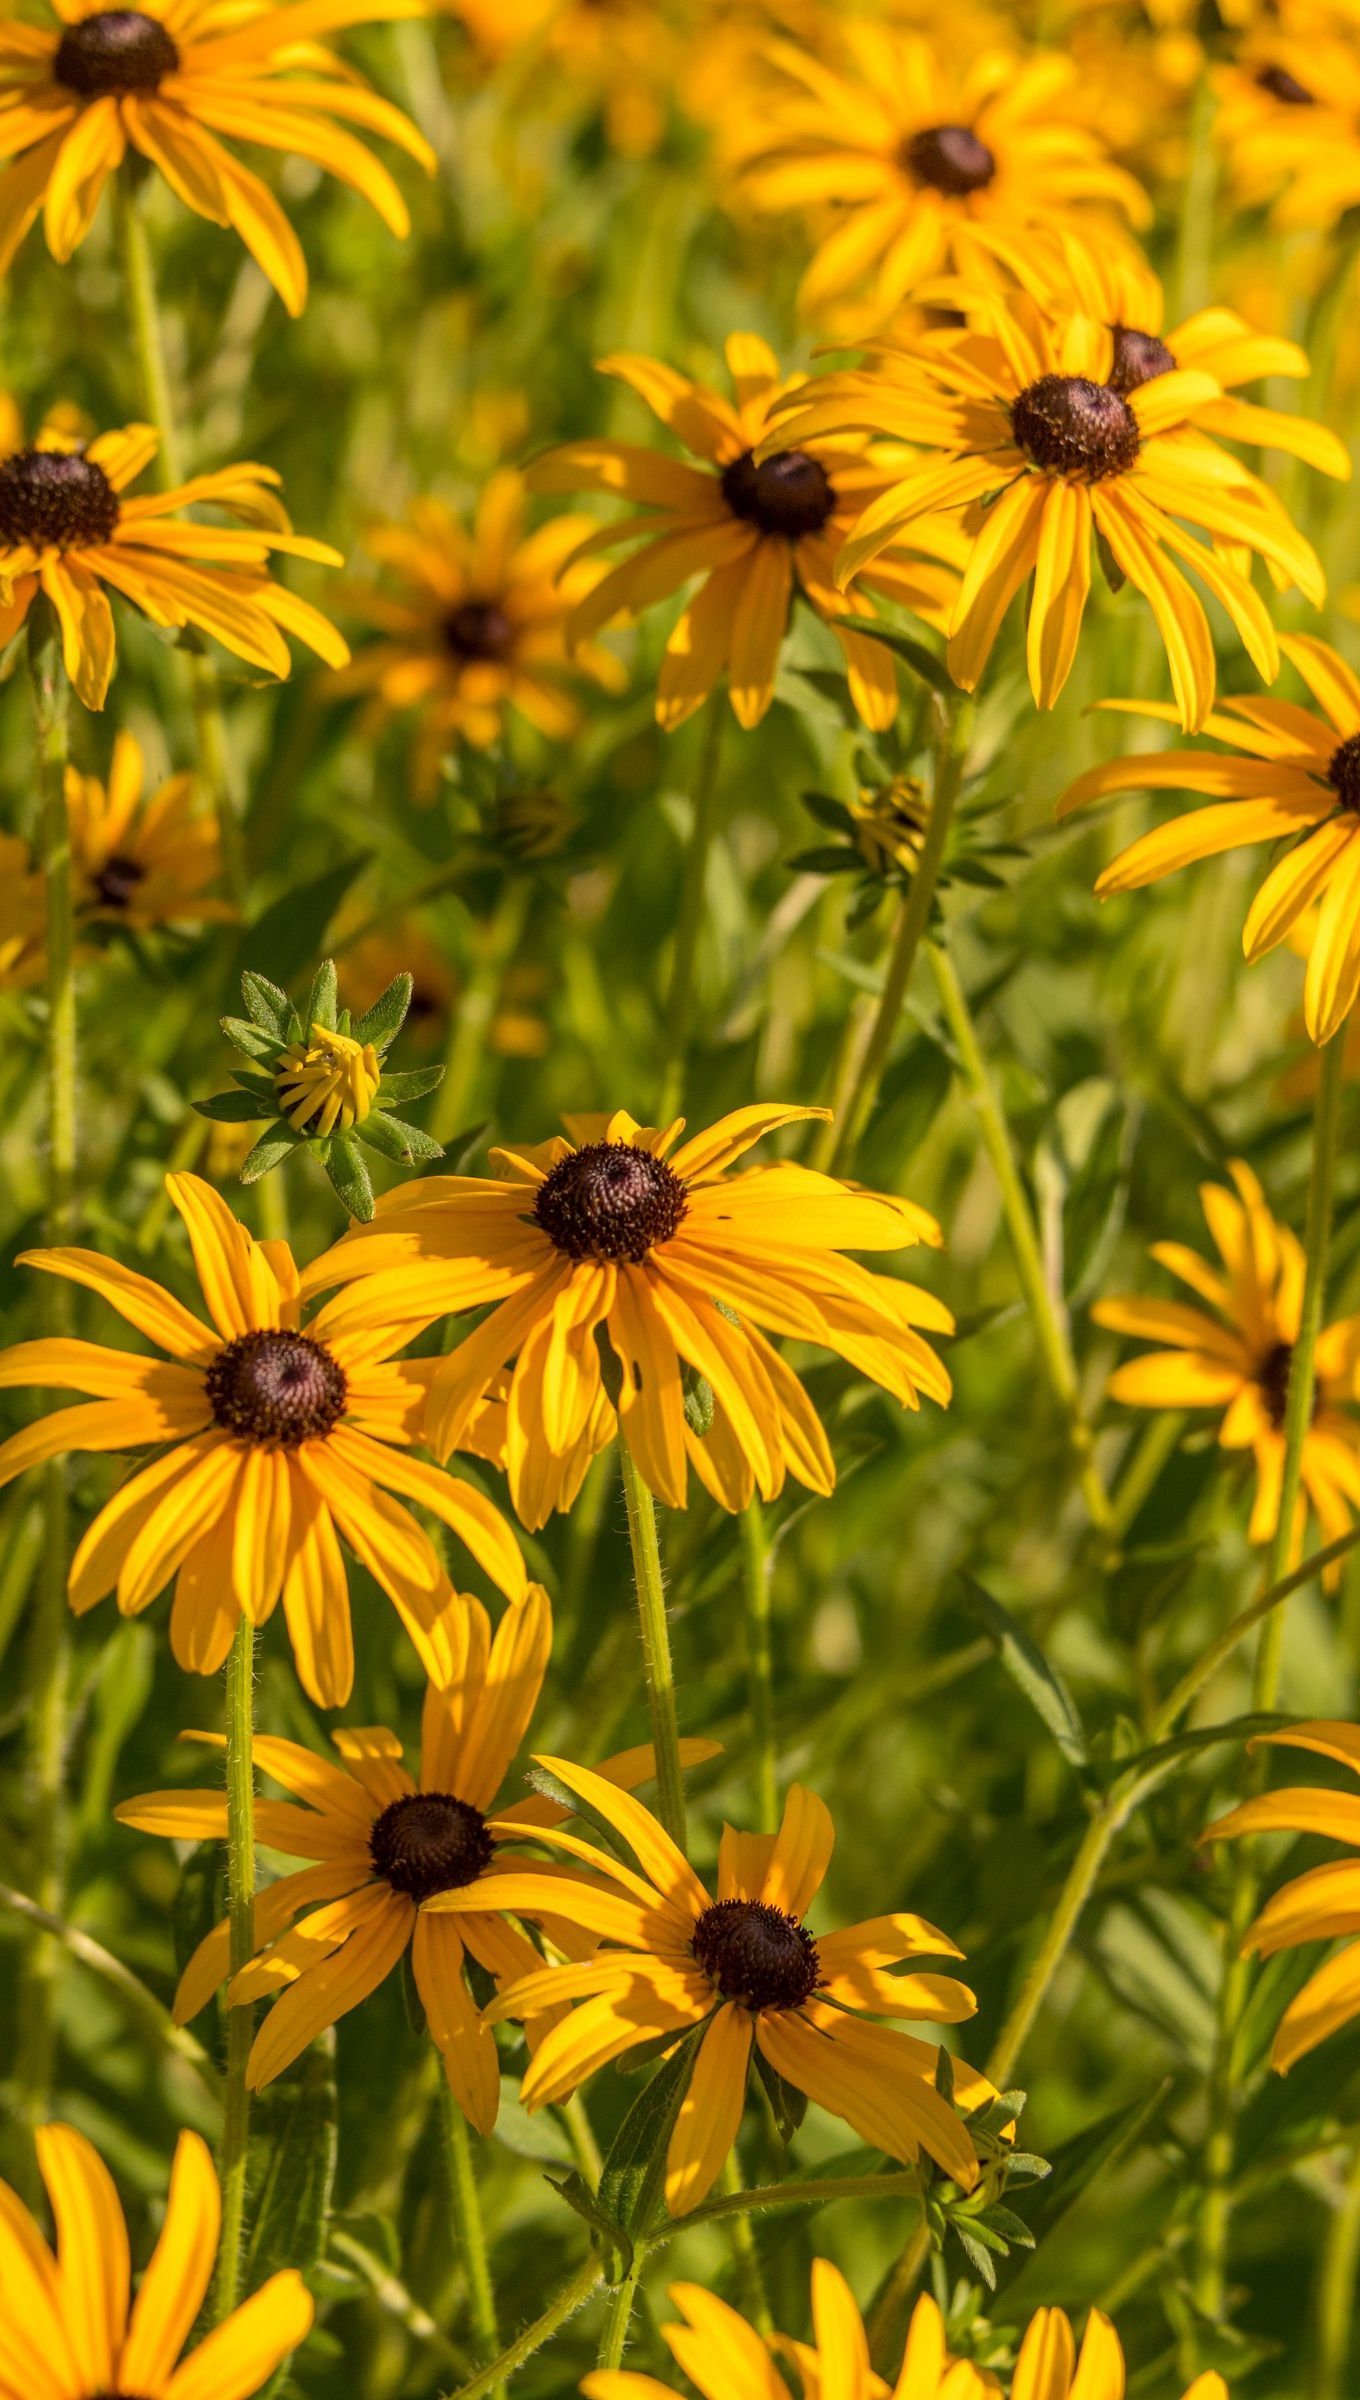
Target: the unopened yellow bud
(890, 824)
(327, 1082)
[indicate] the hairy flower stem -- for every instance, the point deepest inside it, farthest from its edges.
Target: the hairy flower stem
(1336, 2289)
(573, 2296)
(619, 2315)
(1223, 2095)
(840, 1140)
(658, 1672)
(690, 915)
(205, 694)
(470, 2233)
(755, 1554)
(47, 1664)
(1047, 1315)
(232, 2161)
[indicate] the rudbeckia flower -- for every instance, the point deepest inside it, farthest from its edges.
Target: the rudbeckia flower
(618, 1231)
(272, 1443)
(67, 528)
(1288, 118)
(142, 863)
(1050, 2367)
(760, 531)
(1238, 1359)
(167, 79)
(747, 1969)
(726, 2359)
(1296, 783)
(1318, 1906)
(384, 1842)
(473, 624)
(933, 161)
(1030, 417)
(71, 2328)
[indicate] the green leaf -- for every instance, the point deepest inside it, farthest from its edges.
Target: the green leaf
(297, 2136)
(383, 1021)
(344, 1164)
(824, 860)
(914, 654)
(788, 2105)
(265, 1004)
(617, 2248)
(544, 1781)
(975, 2251)
(412, 1084)
(393, 1139)
(250, 1038)
(270, 1151)
(830, 812)
(1147, 1763)
(633, 2171)
(232, 1108)
(288, 935)
(323, 998)
(1027, 1666)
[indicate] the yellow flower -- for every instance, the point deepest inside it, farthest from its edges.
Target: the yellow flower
(1317, 1906)
(932, 162)
(141, 863)
(280, 1441)
(745, 1968)
(168, 78)
(1049, 2367)
(67, 529)
(71, 2328)
(327, 1080)
(1239, 1359)
(383, 1842)
(1030, 417)
(1288, 118)
(890, 824)
(758, 531)
(681, 1266)
(475, 623)
(1297, 784)
(725, 2359)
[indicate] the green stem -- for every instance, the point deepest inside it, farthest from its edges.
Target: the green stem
(240, 1721)
(690, 915)
(1049, 1321)
(141, 2004)
(897, 2289)
(572, 2296)
(1222, 1648)
(48, 1643)
(1336, 2290)
(658, 1671)
(954, 726)
(1223, 2097)
(1062, 1924)
(619, 2315)
(474, 1009)
(755, 2299)
(470, 2233)
(755, 1554)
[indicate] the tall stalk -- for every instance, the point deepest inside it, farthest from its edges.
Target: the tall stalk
(755, 1581)
(690, 915)
(232, 2162)
(1336, 2289)
(470, 2233)
(47, 1660)
(658, 1671)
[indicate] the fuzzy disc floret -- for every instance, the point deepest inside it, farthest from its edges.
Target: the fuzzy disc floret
(1343, 771)
(1071, 426)
(117, 880)
(1139, 358)
(55, 500)
(609, 1201)
(1283, 86)
(116, 51)
(757, 1954)
(430, 1842)
(949, 158)
(276, 1389)
(479, 631)
(788, 493)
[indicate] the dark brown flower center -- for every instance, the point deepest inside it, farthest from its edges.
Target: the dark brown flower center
(1273, 1377)
(756, 1954)
(429, 1842)
(788, 493)
(949, 159)
(117, 880)
(1343, 771)
(479, 630)
(115, 51)
(1071, 426)
(55, 500)
(276, 1389)
(610, 1201)
(1281, 85)
(1138, 358)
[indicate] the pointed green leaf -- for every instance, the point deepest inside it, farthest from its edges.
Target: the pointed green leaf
(384, 1020)
(1027, 1667)
(265, 1004)
(323, 998)
(344, 1163)
(232, 1108)
(269, 1152)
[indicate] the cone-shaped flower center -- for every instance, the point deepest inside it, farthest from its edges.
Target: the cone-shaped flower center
(276, 1389)
(949, 159)
(479, 630)
(117, 880)
(610, 1201)
(756, 1954)
(788, 493)
(1138, 358)
(1343, 771)
(429, 1842)
(117, 50)
(1273, 1377)
(1071, 426)
(1281, 85)
(55, 500)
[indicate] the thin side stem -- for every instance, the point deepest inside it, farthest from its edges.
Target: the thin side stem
(619, 2316)
(1049, 1322)
(140, 2003)
(955, 724)
(47, 1664)
(240, 1728)
(658, 1671)
(1336, 2290)
(755, 1582)
(755, 2300)
(690, 915)
(470, 2233)
(572, 2296)
(1062, 1924)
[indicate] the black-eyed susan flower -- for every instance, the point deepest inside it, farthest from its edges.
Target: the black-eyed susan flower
(1238, 1359)
(71, 2329)
(141, 862)
(383, 1842)
(747, 1969)
(166, 80)
(1296, 785)
(68, 528)
(618, 1232)
(1288, 117)
(726, 2359)
(1028, 418)
(271, 1444)
(473, 622)
(760, 531)
(931, 157)
(1319, 1906)
(1050, 2366)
